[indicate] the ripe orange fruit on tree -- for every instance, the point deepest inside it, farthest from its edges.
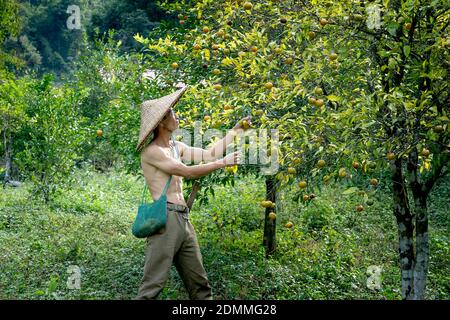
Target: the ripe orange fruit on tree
(206, 118)
(220, 33)
(358, 17)
(99, 132)
(197, 46)
(205, 29)
(390, 156)
(266, 203)
(182, 22)
(215, 47)
(174, 65)
(374, 182)
(254, 49)
(312, 100)
(302, 184)
(355, 164)
(305, 197)
(232, 169)
(318, 91)
(408, 26)
(359, 208)
(268, 85)
(323, 22)
(321, 163)
(319, 103)
(272, 215)
(289, 60)
(291, 170)
(227, 107)
(248, 6)
(289, 225)
(333, 56)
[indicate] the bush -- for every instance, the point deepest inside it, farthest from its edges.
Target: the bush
(318, 214)
(51, 139)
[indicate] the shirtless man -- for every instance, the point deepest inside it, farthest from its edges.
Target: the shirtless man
(177, 242)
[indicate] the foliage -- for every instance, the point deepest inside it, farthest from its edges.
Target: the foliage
(318, 215)
(45, 43)
(358, 86)
(88, 225)
(116, 86)
(51, 138)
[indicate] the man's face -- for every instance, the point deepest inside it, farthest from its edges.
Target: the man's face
(170, 120)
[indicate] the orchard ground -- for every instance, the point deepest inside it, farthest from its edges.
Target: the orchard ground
(325, 256)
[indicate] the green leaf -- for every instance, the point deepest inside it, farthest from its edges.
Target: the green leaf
(350, 190)
(332, 97)
(407, 50)
(392, 28)
(207, 54)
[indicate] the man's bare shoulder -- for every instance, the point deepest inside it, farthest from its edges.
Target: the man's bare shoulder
(152, 152)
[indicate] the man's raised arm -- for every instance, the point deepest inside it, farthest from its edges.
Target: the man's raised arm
(156, 157)
(216, 151)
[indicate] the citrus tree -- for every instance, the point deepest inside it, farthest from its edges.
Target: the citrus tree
(358, 91)
(116, 85)
(50, 134)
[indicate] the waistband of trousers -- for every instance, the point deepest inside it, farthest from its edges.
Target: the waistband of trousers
(177, 207)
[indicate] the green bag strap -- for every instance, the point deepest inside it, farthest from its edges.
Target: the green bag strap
(164, 191)
(167, 186)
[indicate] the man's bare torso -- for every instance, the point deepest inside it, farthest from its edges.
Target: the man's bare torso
(156, 179)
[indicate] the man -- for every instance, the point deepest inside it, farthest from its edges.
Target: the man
(177, 242)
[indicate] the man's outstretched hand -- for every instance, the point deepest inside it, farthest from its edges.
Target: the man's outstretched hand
(244, 123)
(232, 159)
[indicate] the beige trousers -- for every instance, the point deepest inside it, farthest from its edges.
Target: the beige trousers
(177, 244)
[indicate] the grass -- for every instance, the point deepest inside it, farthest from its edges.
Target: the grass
(325, 256)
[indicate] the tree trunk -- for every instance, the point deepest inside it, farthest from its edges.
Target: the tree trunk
(269, 240)
(405, 229)
(422, 248)
(8, 139)
(195, 188)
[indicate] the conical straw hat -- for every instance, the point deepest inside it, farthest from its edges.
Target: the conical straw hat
(153, 111)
